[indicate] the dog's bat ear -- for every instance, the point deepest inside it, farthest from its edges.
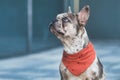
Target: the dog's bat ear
(83, 15)
(69, 10)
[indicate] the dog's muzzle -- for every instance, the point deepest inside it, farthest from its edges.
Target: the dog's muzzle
(52, 25)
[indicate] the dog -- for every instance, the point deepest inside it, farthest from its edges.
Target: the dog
(79, 60)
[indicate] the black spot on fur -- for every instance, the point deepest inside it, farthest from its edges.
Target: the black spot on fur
(100, 66)
(76, 45)
(96, 78)
(65, 69)
(77, 49)
(86, 79)
(94, 73)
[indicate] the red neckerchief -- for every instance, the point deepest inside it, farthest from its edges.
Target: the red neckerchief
(77, 63)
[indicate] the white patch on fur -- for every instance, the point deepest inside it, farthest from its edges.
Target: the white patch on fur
(70, 30)
(75, 45)
(59, 16)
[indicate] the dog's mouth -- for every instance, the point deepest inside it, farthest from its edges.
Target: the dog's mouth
(55, 31)
(61, 33)
(57, 27)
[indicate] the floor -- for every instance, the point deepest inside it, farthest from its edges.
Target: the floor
(45, 65)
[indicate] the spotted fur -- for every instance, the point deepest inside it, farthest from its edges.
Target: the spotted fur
(69, 28)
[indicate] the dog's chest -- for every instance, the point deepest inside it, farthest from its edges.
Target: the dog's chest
(90, 74)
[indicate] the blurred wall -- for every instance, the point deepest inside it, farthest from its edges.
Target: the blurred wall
(45, 11)
(14, 26)
(104, 21)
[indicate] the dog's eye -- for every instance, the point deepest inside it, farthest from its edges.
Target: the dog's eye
(65, 19)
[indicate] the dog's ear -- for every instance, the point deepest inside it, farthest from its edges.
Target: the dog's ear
(83, 15)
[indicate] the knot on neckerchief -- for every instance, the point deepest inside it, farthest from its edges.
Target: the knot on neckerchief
(77, 63)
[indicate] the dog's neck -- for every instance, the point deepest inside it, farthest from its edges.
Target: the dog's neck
(77, 43)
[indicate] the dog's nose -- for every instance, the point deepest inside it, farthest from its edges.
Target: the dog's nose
(53, 22)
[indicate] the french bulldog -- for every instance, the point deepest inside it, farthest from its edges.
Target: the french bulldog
(79, 60)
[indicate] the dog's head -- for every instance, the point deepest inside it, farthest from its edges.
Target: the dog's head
(68, 25)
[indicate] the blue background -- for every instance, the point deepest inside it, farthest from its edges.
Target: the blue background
(104, 23)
